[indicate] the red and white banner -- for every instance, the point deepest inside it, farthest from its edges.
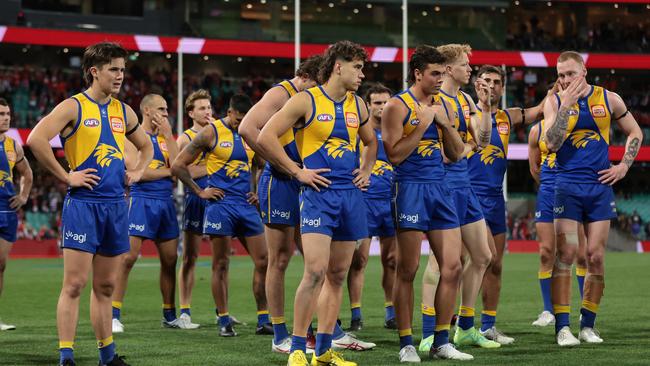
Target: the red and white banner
(205, 46)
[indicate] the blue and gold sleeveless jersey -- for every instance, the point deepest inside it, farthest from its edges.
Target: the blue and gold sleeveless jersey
(381, 180)
(586, 149)
(548, 168)
(329, 137)
(97, 141)
(287, 140)
(456, 173)
(7, 162)
(229, 162)
(487, 167)
(201, 160)
(425, 162)
(160, 188)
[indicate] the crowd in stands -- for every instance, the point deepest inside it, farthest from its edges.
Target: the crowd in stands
(532, 34)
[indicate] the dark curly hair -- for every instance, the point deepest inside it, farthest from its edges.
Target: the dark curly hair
(341, 50)
(310, 67)
(423, 56)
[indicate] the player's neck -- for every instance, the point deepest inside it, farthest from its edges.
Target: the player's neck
(97, 95)
(375, 123)
(450, 87)
(148, 126)
(297, 83)
(335, 90)
(419, 94)
(196, 126)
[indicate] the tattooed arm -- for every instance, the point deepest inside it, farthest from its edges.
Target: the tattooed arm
(203, 141)
(558, 118)
(634, 134)
(482, 127)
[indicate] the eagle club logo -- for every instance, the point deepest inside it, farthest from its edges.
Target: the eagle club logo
(351, 119)
(117, 124)
(91, 122)
(503, 128)
(598, 111)
(324, 117)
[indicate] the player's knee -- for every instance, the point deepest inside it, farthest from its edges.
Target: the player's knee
(406, 273)
(3, 265)
(221, 265)
(389, 262)
(359, 263)
(336, 276)
(279, 262)
(169, 261)
(189, 260)
(261, 263)
(73, 288)
(451, 271)
(104, 288)
(496, 268)
(546, 256)
(129, 260)
(595, 262)
(314, 277)
(566, 254)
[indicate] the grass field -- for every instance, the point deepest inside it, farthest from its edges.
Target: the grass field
(32, 287)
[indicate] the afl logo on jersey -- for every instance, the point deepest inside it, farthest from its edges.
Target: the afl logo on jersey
(226, 144)
(598, 111)
(351, 119)
(324, 117)
(503, 128)
(91, 122)
(117, 124)
(415, 122)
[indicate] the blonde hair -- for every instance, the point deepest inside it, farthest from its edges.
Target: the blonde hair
(453, 51)
(571, 55)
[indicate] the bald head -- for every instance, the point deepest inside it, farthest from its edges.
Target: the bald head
(152, 104)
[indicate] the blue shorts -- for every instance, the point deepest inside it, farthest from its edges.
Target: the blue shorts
(231, 219)
(494, 211)
(153, 218)
(424, 206)
(584, 202)
(193, 212)
(544, 204)
(380, 217)
(468, 208)
(279, 200)
(95, 227)
(337, 213)
(8, 226)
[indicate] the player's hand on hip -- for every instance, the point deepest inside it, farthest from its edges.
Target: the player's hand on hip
(17, 201)
(133, 176)
(361, 179)
(212, 193)
(252, 198)
(613, 174)
(312, 178)
(83, 178)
